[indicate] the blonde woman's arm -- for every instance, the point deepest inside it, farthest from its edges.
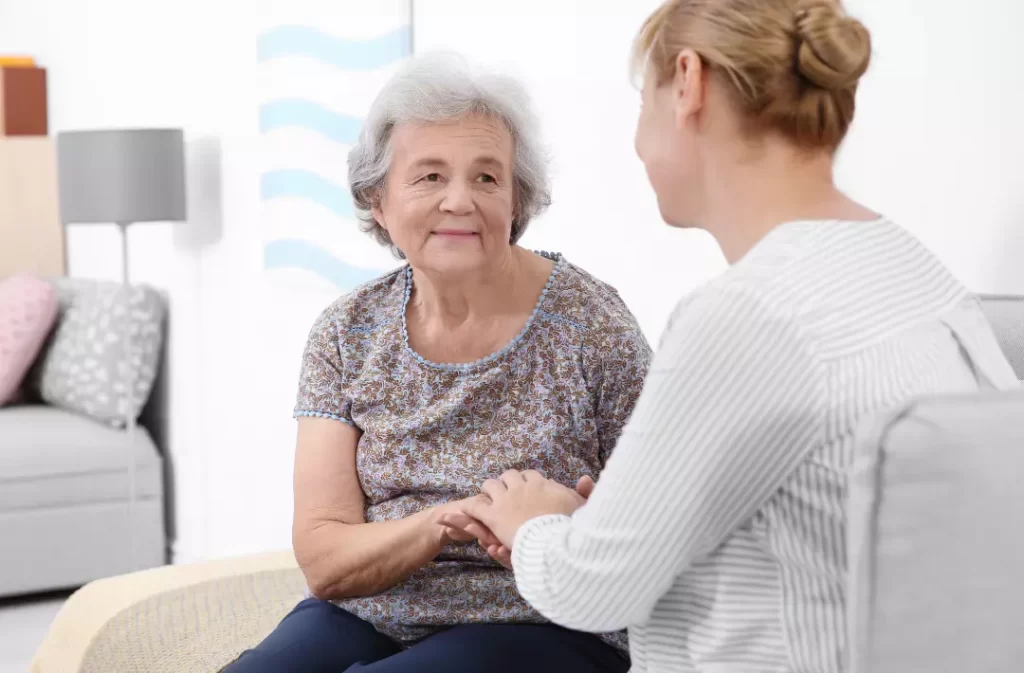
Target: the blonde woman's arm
(733, 403)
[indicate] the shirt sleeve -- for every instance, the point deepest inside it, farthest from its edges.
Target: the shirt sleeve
(323, 385)
(734, 401)
(621, 359)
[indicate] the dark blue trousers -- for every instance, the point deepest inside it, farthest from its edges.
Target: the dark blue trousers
(319, 637)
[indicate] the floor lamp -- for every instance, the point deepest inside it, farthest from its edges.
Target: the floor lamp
(122, 176)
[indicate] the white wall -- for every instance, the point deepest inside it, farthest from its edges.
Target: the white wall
(938, 136)
(934, 146)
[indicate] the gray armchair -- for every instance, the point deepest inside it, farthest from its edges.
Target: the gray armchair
(1006, 313)
(936, 511)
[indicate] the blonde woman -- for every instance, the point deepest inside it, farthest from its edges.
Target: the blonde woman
(716, 531)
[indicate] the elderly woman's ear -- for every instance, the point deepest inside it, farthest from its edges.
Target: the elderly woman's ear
(378, 214)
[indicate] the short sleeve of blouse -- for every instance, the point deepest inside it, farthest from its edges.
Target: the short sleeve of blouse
(323, 387)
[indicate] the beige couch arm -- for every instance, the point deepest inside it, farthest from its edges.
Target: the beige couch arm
(183, 619)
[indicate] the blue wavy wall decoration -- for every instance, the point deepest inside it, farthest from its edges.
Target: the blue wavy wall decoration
(299, 254)
(307, 185)
(297, 112)
(306, 114)
(339, 52)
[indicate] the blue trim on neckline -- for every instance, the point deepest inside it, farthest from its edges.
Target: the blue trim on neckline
(461, 367)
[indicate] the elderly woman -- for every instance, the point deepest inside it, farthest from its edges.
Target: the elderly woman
(475, 358)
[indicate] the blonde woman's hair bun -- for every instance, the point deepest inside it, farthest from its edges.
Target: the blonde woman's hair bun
(790, 66)
(834, 49)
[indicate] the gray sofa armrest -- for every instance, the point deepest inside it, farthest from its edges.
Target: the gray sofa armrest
(1006, 315)
(936, 560)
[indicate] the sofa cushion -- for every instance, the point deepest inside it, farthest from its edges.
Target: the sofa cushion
(28, 310)
(934, 538)
(108, 342)
(51, 457)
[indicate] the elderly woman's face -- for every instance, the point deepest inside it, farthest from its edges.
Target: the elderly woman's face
(448, 203)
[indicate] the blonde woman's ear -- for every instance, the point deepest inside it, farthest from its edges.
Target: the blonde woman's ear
(688, 84)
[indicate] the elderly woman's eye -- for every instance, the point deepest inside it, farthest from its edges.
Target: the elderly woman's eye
(484, 177)
(432, 177)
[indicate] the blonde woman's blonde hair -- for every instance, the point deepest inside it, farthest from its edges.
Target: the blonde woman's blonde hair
(792, 66)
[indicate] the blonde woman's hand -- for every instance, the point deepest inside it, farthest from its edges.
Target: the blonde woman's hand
(462, 528)
(503, 554)
(509, 502)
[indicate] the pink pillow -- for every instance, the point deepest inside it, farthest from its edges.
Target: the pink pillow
(28, 310)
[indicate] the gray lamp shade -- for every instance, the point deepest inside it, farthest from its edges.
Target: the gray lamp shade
(129, 175)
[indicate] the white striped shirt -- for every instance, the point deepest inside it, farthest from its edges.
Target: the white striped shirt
(717, 530)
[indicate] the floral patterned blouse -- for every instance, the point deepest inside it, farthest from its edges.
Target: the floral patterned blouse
(554, 399)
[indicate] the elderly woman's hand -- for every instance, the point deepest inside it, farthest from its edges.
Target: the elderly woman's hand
(448, 533)
(517, 497)
(461, 526)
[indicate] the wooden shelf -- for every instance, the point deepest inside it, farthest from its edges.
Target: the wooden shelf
(31, 233)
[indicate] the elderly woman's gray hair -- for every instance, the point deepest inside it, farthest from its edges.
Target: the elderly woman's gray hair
(441, 87)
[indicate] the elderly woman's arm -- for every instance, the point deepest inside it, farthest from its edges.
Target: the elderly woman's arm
(340, 554)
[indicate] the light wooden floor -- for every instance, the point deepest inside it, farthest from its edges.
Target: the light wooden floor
(23, 623)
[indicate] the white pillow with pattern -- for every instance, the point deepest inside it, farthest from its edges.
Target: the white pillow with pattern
(103, 357)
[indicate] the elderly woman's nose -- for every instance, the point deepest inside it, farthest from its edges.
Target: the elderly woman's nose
(458, 198)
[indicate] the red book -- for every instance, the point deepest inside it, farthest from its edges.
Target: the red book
(23, 102)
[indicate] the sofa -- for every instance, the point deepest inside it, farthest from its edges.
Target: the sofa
(81, 483)
(197, 618)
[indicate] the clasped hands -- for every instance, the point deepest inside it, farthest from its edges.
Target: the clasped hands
(493, 517)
